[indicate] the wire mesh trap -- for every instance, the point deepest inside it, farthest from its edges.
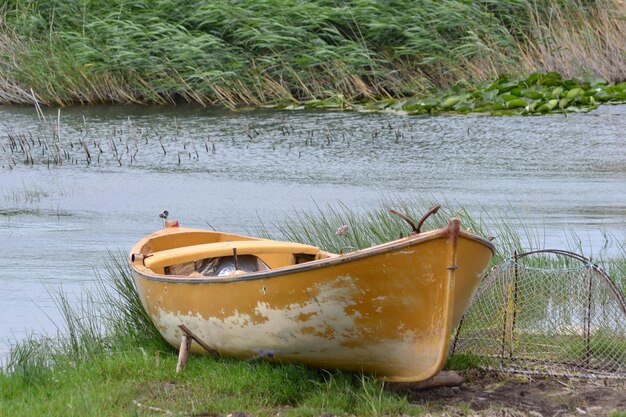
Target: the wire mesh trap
(547, 312)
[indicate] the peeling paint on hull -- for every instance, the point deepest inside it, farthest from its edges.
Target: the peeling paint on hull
(386, 310)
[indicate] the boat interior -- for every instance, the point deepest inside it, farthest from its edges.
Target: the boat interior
(216, 254)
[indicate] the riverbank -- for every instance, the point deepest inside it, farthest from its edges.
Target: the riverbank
(143, 383)
(109, 359)
(286, 51)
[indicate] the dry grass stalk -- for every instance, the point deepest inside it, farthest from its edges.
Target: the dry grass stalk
(579, 44)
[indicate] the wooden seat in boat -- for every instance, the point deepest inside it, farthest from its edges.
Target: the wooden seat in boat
(273, 253)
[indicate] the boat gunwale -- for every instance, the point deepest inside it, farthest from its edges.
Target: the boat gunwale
(311, 265)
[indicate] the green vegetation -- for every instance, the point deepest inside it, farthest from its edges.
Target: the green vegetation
(108, 359)
(537, 94)
(290, 51)
(142, 382)
(463, 361)
(378, 225)
(28, 194)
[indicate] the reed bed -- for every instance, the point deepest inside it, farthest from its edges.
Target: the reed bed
(54, 142)
(578, 41)
(291, 51)
(338, 228)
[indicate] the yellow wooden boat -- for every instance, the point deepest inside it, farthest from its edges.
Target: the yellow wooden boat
(387, 310)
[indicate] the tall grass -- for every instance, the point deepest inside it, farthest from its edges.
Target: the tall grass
(105, 320)
(378, 225)
(578, 41)
(286, 50)
(509, 232)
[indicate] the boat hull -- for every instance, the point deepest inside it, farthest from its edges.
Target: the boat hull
(387, 310)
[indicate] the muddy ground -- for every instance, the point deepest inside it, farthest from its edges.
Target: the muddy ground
(483, 394)
(489, 394)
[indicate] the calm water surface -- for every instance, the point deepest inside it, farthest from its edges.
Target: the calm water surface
(230, 170)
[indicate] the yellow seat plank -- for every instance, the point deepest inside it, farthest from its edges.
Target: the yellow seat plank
(192, 253)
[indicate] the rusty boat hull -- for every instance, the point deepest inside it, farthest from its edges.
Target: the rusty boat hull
(387, 310)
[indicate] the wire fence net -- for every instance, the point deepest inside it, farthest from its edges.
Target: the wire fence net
(530, 316)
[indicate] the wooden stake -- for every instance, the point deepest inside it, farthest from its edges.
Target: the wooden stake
(183, 352)
(199, 341)
(185, 344)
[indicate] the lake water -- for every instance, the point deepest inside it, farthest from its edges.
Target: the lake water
(60, 215)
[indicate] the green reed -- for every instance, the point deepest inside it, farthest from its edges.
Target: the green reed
(506, 228)
(367, 227)
(288, 50)
(106, 319)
